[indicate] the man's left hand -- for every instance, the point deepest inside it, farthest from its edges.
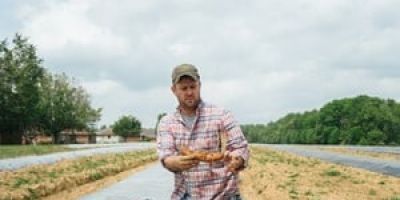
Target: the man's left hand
(235, 162)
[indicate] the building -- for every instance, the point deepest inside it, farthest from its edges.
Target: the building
(76, 137)
(147, 134)
(106, 136)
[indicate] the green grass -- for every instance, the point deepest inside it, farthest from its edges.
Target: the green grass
(12, 151)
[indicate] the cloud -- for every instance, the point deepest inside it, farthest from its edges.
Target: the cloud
(260, 59)
(117, 100)
(67, 24)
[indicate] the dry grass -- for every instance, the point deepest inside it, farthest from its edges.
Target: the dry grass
(42, 180)
(77, 192)
(361, 153)
(277, 175)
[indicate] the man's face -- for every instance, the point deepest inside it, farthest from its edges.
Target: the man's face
(187, 91)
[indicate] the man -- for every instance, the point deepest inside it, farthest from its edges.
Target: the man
(200, 126)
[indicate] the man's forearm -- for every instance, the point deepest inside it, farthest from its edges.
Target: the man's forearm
(168, 164)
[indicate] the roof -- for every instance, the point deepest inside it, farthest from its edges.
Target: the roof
(73, 132)
(107, 131)
(148, 132)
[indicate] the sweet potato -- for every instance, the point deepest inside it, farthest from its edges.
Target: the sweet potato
(204, 156)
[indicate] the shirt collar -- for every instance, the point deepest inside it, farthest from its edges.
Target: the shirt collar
(198, 110)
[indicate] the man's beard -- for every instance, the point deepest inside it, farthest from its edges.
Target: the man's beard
(192, 104)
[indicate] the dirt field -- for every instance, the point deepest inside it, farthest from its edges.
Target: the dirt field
(277, 175)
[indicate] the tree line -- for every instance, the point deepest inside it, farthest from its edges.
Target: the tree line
(362, 120)
(34, 100)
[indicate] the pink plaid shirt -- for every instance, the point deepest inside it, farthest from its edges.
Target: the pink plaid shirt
(205, 181)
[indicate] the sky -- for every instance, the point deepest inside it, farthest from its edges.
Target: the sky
(260, 59)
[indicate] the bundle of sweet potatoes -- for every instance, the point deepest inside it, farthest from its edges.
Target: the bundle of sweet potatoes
(204, 156)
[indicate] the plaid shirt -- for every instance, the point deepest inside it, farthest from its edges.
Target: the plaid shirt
(205, 181)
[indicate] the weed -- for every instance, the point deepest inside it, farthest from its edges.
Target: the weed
(394, 198)
(358, 181)
(96, 176)
(33, 194)
(52, 174)
(331, 172)
(372, 192)
(293, 175)
(308, 193)
(293, 193)
(19, 182)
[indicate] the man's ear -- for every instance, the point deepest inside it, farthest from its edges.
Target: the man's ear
(173, 88)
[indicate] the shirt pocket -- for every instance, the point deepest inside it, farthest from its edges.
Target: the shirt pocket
(182, 139)
(211, 139)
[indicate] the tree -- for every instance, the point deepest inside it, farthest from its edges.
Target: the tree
(20, 76)
(127, 126)
(159, 117)
(32, 100)
(64, 106)
(358, 120)
(375, 137)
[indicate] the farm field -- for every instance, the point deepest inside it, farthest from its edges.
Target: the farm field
(39, 181)
(275, 174)
(78, 151)
(272, 174)
(394, 156)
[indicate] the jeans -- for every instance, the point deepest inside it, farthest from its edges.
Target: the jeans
(236, 197)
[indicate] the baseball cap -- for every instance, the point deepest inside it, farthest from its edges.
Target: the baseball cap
(184, 70)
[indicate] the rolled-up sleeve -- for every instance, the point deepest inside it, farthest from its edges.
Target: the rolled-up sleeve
(237, 143)
(165, 140)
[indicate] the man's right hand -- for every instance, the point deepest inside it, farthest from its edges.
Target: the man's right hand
(180, 163)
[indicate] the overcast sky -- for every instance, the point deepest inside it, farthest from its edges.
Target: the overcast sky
(261, 59)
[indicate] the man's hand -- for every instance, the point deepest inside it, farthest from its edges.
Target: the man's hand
(235, 162)
(180, 163)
